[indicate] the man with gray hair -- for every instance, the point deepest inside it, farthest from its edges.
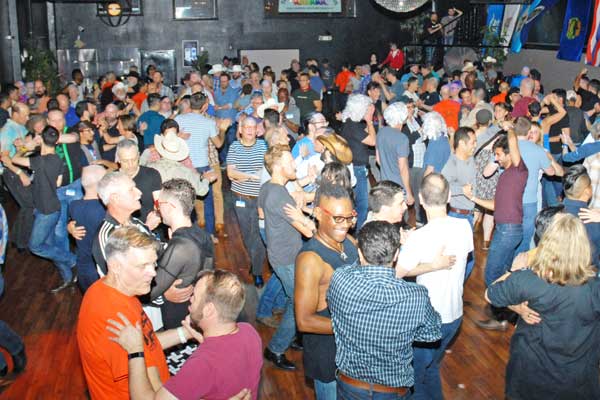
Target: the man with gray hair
(478, 98)
(146, 179)
(392, 149)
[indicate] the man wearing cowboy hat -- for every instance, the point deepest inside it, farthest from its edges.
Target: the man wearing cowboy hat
(216, 72)
(236, 77)
(173, 150)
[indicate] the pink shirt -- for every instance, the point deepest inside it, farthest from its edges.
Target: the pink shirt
(221, 367)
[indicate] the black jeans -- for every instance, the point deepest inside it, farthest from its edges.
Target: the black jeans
(246, 211)
(23, 195)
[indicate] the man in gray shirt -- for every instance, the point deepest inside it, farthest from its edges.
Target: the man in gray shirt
(460, 171)
(393, 149)
(284, 241)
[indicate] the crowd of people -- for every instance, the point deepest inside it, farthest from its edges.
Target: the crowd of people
(359, 188)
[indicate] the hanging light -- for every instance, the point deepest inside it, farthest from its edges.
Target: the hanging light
(401, 5)
(115, 13)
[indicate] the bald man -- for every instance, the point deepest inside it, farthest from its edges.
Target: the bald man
(86, 217)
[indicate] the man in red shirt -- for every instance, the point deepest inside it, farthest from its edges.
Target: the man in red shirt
(227, 363)
(448, 108)
(521, 107)
(395, 58)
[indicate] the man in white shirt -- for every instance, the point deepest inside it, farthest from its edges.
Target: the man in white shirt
(447, 235)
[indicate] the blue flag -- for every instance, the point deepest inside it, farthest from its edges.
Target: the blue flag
(495, 13)
(575, 27)
(527, 18)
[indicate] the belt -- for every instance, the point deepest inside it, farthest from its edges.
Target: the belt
(243, 196)
(372, 386)
(460, 211)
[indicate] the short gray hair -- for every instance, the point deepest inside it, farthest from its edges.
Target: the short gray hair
(91, 175)
(356, 107)
(125, 238)
(396, 114)
(127, 144)
(109, 185)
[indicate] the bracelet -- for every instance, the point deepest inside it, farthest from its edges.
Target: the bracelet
(139, 354)
(181, 334)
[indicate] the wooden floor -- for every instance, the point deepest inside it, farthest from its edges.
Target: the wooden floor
(472, 369)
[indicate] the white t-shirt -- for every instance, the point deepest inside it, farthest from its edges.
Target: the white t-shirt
(445, 286)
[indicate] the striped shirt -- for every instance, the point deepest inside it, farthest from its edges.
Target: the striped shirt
(370, 307)
(249, 160)
(201, 129)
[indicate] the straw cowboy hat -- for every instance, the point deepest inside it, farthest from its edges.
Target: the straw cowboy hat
(217, 68)
(469, 67)
(171, 147)
(271, 103)
(237, 68)
(337, 146)
(490, 60)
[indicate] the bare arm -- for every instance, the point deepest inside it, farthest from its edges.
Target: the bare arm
(309, 272)
(513, 147)
(239, 176)
(318, 105)
(405, 175)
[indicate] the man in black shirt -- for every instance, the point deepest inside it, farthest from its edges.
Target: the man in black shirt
(48, 170)
(147, 180)
(5, 104)
(432, 34)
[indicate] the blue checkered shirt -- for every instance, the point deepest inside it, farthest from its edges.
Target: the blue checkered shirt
(376, 317)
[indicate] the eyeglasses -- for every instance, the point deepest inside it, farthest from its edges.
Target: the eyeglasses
(339, 219)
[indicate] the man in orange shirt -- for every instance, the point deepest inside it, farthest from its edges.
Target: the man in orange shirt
(341, 82)
(501, 97)
(448, 108)
(131, 258)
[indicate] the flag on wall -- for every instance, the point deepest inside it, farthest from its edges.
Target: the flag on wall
(495, 12)
(575, 27)
(592, 55)
(527, 18)
(509, 21)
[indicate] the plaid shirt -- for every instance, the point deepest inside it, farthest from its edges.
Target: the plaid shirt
(376, 318)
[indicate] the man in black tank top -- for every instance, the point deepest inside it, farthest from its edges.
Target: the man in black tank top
(330, 249)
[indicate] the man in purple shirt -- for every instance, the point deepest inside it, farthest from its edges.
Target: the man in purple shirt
(508, 216)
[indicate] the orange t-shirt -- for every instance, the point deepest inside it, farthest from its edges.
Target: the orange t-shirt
(499, 98)
(449, 109)
(342, 79)
(139, 98)
(105, 363)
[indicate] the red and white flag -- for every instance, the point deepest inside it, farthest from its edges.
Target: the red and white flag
(592, 56)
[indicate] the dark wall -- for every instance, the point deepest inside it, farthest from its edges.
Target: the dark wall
(242, 25)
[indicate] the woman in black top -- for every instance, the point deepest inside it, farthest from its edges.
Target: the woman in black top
(557, 358)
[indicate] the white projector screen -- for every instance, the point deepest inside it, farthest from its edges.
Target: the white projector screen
(278, 59)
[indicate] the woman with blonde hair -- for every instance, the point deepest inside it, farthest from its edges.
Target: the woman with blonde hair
(558, 357)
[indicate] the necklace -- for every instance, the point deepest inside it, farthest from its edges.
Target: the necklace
(343, 254)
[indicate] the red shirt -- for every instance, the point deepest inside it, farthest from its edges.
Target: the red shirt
(521, 108)
(508, 202)
(449, 109)
(396, 61)
(342, 79)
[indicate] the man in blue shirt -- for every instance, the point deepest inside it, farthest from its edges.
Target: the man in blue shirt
(536, 159)
(225, 97)
(578, 192)
(316, 83)
(369, 305)
(149, 122)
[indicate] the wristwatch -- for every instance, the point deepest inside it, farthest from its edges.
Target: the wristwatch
(139, 354)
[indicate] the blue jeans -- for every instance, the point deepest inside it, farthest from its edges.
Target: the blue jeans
(325, 390)
(529, 213)
(272, 297)
(43, 243)
(66, 194)
(471, 257)
(285, 333)
(427, 360)
(502, 250)
(361, 194)
(346, 391)
(9, 340)
(209, 205)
